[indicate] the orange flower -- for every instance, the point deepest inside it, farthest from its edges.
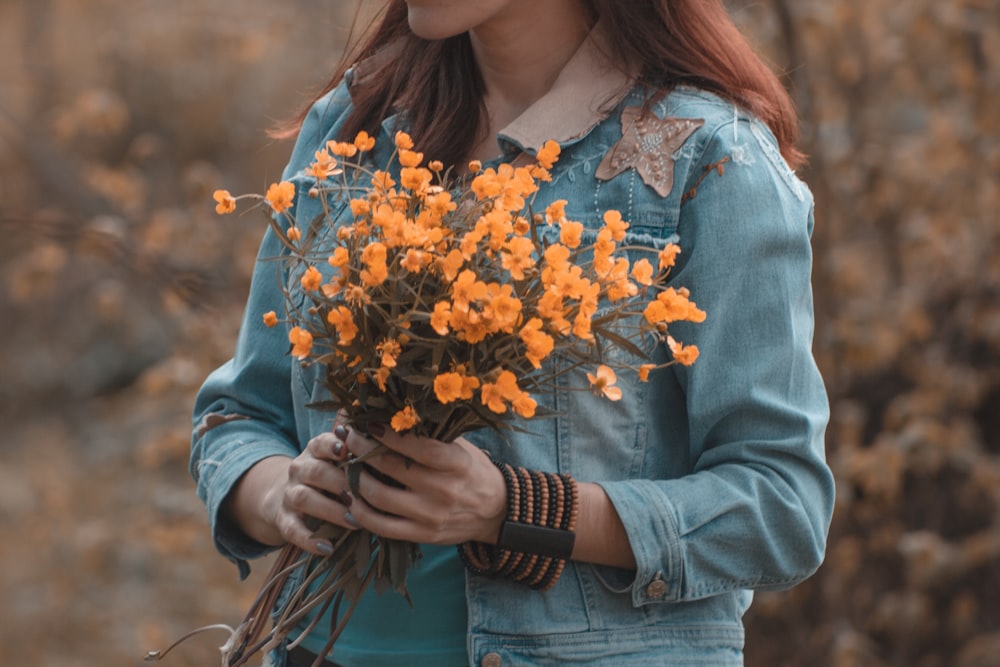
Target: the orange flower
(415, 178)
(551, 307)
(673, 306)
(440, 317)
(524, 405)
(311, 279)
(360, 207)
(557, 257)
(582, 325)
(570, 233)
(364, 142)
(669, 255)
(604, 247)
(644, 370)
(450, 387)
(469, 244)
(324, 166)
(341, 148)
(270, 319)
(382, 182)
(373, 257)
(226, 202)
(280, 196)
(408, 158)
(403, 141)
(414, 260)
(503, 310)
(614, 223)
(389, 350)
(556, 211)
(518, 256)
(548, 154)
(440, 203)
(506, 185)
(450, 264)
(301, 341)
(381, 376)
(642, 271)
(603, 383)
(467, 288)
(375, 276)
(339, 258)
(356, 295)
(496, 395)
(497, 225)
(405, 419)
(343, 321)
(538, 343)
(475, 166)
(293, 233)
(683, 354)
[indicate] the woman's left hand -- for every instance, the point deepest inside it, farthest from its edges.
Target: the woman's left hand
(451, 492)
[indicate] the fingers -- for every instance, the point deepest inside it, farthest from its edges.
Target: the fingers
(329, 446)
(456, 497)
(303, 500)
(316, 489)
(434, 454)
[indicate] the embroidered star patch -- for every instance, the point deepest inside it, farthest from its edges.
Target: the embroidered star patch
(648, 145)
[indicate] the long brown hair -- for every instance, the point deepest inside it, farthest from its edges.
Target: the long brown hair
(669, 42)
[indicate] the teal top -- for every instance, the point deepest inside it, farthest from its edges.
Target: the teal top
(431, 633)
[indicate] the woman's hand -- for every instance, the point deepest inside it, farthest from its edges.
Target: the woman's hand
(449, 492)
(274, 500)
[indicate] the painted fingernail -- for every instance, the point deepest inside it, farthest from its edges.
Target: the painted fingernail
(346, 498)
(341, 431)
(377, 430)
(324, 547)
(338, 447)
(349, 518)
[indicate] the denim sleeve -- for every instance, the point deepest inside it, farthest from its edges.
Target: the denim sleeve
(755, 509)
(244, 411)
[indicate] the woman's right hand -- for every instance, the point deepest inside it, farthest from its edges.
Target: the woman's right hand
(275, 500)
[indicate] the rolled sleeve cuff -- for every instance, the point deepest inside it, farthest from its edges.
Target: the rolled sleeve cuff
(216, 481)
(653, 536)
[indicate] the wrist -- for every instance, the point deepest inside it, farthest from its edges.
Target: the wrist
(255, 502)
(496, 504)
(537, 532)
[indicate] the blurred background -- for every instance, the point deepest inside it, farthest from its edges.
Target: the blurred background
(120, 290)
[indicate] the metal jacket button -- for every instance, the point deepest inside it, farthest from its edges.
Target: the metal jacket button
(491, 660)
(656, 589)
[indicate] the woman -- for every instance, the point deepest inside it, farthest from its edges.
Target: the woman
(695, 489)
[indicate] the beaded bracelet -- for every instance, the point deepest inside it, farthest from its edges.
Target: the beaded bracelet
(537, 535)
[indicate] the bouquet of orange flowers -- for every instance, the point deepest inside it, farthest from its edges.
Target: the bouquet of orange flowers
(440, 309)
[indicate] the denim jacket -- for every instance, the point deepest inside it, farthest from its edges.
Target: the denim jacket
(717, 470)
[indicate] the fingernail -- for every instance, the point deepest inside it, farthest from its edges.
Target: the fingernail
(377, 430)
(346, 498)
(338, 447)
(341, 431)
(349, 518)
(324, 547)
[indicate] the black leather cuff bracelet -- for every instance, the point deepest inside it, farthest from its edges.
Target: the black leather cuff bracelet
(528, 538)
